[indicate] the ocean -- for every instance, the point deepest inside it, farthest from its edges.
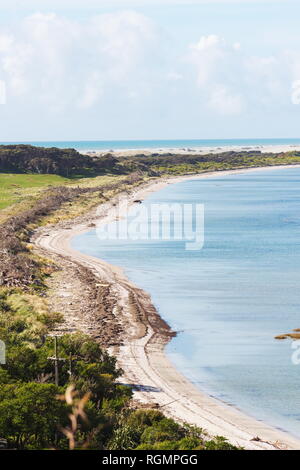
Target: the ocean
(229, 299)
(106, 145)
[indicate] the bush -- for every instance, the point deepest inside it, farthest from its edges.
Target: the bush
(163, 430)
(219, 443)
(30, 414)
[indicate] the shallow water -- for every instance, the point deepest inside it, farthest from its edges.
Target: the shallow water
(231, 298)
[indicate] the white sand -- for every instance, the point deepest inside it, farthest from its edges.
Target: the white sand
(143, 359)
(195, 150)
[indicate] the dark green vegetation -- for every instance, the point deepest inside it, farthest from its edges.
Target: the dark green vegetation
(88, 408)
(29, 159)
(178, 164)
(35, 413)
(71, 164)
(65, 162)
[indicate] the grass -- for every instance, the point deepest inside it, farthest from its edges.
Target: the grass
(16, 187)
(86, 202)
(188, 168)
(18, 192)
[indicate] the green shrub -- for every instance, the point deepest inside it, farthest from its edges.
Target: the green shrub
(163, 430)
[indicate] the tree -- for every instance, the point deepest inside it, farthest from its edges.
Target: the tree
(30, 414)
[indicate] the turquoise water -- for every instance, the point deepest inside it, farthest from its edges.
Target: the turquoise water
(231, 298)
(144, 144)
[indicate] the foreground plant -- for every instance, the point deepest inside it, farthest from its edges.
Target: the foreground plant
(78, 413)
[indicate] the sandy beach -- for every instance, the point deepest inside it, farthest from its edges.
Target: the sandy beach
(194, 150)
(141, 354)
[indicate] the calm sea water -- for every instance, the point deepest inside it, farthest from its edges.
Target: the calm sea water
(231, 298)
(99, 145)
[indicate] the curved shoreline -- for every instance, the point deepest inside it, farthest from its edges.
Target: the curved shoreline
(142, 356)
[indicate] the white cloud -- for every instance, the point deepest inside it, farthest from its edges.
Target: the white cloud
(216, 64)
(236, 46)
(91, 92)
(261, 66)
(207, 42)
(295, 95)
(122, 40)
(61, 62)
(225, 101)
(230, 80)
(206, 55)
(2, 92)
(266, 74)
(118, 65)
(292, 60)
(6, 41)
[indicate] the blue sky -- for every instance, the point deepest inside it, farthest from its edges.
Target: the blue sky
(121, 69)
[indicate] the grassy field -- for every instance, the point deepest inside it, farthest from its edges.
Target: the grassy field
(15, 188)
(20, 191)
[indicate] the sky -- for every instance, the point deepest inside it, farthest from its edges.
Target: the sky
(149, 69)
